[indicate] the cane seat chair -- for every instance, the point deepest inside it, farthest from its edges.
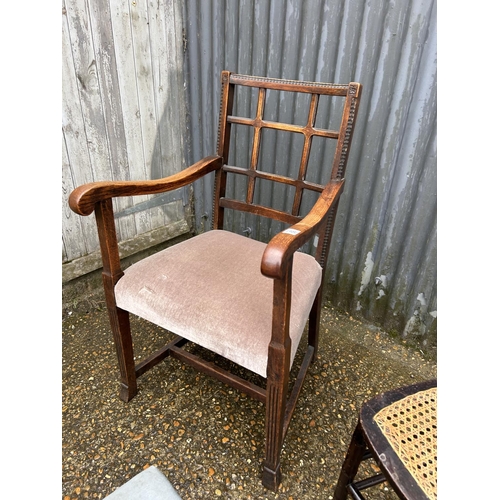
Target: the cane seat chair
(243, 299)
(397, 429)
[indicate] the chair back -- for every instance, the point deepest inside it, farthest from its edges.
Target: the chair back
(247, 180)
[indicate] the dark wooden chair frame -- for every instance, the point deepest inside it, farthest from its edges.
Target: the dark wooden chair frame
(277, 258)
(369, 442)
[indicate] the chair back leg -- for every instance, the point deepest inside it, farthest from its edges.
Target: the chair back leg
(314, 322)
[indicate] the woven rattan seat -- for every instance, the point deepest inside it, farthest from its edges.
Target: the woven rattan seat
(410, 426)
(398, 429)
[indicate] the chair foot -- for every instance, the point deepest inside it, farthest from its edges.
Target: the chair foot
(127, 393)
(271, 479)
(315, 355)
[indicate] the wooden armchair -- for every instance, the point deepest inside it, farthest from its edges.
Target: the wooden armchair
(240, 298)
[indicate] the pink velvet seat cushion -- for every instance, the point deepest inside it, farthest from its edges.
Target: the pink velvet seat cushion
(209, 289)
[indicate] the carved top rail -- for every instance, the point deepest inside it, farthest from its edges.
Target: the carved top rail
(292, 85)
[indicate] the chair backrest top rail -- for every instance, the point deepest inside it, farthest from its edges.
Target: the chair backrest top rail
(290, 85)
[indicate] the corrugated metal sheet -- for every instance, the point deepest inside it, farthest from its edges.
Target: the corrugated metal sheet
(383, 258)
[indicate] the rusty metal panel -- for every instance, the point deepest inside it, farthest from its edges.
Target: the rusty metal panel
(383, 259)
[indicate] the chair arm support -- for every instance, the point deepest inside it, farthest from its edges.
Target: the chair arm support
(279, 252)
(83, 199)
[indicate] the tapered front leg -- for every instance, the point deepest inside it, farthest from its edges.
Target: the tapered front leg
(119, 319)
(125, 353)
(278, 370)
(120, 326)
(275, 415)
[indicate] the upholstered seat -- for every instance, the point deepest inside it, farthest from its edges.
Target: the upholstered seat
(175, 288)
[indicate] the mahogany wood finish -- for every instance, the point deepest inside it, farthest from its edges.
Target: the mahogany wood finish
(276, 260)
(84, 198)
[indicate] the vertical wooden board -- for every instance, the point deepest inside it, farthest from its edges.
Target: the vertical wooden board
(77, 158)
(88, 75)
(173, 99)
(163, 149)
(148, 30)
(127, 84)
(107, 133)
(64, 253)
(144, 75)
(129, 96)
(102, 38)
(166, 38)
(84, 61)
(73, 125)
(75, 244)
(168, 213)
(157, 217)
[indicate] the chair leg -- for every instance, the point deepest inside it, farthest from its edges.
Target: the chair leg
(351, 463)
(277, 388)
(275, 415)
(120, 326)
(314, 322)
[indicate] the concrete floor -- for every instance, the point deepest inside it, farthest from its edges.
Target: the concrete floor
(207, 438)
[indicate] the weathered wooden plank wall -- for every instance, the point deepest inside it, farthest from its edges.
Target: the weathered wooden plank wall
(124, 110)
(383, 260)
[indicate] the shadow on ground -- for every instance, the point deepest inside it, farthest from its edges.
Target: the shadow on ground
(207, 438)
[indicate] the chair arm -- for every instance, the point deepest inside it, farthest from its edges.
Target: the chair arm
(83, 199)
(280, 249)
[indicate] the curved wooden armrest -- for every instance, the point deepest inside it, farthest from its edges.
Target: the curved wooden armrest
(83, 199)
(281, 248)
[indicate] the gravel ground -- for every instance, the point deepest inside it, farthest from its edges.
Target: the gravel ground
(207, 438)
